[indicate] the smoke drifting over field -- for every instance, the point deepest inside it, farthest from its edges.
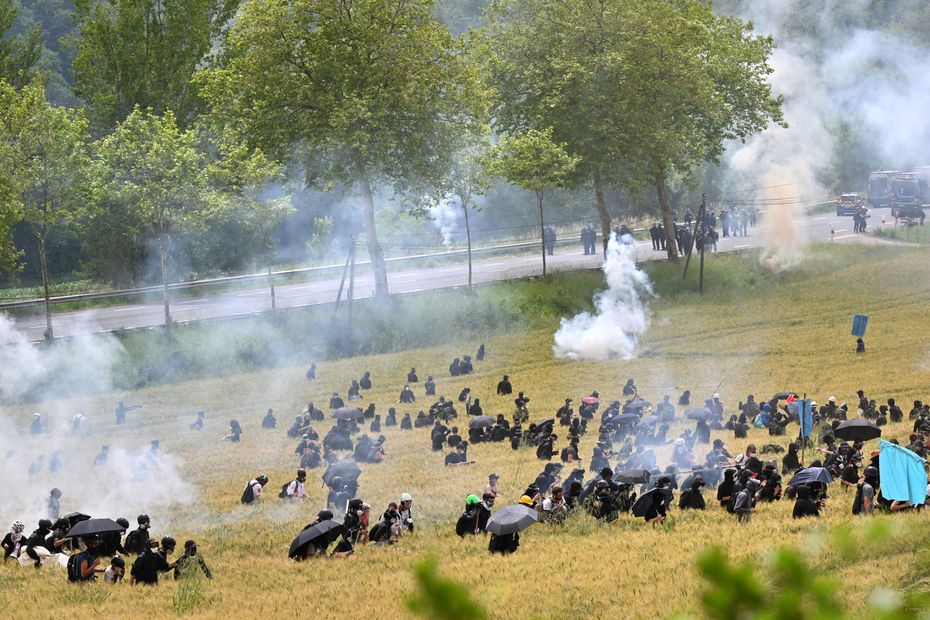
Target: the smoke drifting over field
(621, 311)
(835, 71)
(132, 480)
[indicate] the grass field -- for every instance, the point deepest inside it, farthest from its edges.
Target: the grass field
(753, 332)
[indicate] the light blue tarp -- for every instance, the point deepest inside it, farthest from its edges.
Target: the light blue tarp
(902, 473)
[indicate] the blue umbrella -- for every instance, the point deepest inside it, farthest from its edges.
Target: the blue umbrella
(812, 474)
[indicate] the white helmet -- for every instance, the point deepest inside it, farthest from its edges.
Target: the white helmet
(406, 497)
(18, 526)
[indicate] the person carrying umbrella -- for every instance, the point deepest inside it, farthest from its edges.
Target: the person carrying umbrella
(652, 506)
(505, 526)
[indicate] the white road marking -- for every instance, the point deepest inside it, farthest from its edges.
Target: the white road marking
(740, 247)
(128, 309)
(822, 217)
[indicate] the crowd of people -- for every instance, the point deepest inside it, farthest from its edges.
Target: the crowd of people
(636, 466)
(104, 553)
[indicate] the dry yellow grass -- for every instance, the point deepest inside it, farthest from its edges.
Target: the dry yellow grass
(793, 336)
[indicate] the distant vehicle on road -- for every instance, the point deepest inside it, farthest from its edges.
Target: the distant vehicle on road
(905, 195)
(848, 203)
(880, 188)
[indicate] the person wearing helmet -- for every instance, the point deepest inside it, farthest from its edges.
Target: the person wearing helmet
(468, 521)
(14, 540)
(405, 510)
(111, 542)
(137, 542)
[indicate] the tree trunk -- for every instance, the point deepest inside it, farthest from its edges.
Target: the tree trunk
(163, 259)
(602, 209)
(542, 228)
(671, 244)
(468, 241)
(43, 261)
(375, 253)
(270, 277)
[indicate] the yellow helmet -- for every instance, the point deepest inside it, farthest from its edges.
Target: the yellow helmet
(526, 500)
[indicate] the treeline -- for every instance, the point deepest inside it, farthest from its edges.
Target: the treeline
(194, 123)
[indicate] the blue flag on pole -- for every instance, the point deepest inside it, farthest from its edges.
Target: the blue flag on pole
(860, 321)
(902, 473)
(805, 417)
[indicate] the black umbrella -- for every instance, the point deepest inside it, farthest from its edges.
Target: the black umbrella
(644, 503)
(633, 476)
(782, 395)
(625, 418)
(511, 519)
(698, 413)
(89, 527)
(348, 413)
(322, 533)
(347, 470)
(637, 405)
(76, 517)
(857, 430)
(812, 474)
(650, 421)
(482, 421)
(550, 423)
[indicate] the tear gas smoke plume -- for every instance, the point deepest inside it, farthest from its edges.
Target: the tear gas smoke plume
(133, 479)
(834, 71)
(621, 314)
(446, 215)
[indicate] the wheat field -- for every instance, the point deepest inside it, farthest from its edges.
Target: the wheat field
(792, 333)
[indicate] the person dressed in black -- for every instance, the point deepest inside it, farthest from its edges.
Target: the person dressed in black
(138, 540)
(479, 356)
(235, 431)
(269, 421)
(629, 389)
(475, 408)
(804, 506)
(412, 376)
(504, 544)
(455, 368)
(335, 402)
(430, 386)
(365, 381)
(391, 419)
(122, 409)
(503, 387)
(790, 463)
(153, 561)
(692, 498)
(406, 395)
(468, 521)
(406, 424)
(311, 372)
(726, 488)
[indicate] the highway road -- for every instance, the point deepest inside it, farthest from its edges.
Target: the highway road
(148, 312)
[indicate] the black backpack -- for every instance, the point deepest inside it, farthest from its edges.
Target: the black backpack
(283, 493)
(74, 569)
(248, 495)
(731, 503)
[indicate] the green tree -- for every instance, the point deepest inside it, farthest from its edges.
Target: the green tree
(535, 162)
(144, 52)
(153, 169)
(638, 89)
(467, 179)
(439, 598)
(244, 180)
(694, 82)
(371, 92)
(20, 54)
(50, 166)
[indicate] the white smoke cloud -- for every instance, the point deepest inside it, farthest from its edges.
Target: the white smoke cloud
(447, 219)
(621, 311)
(829, 70)
(133, 479)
